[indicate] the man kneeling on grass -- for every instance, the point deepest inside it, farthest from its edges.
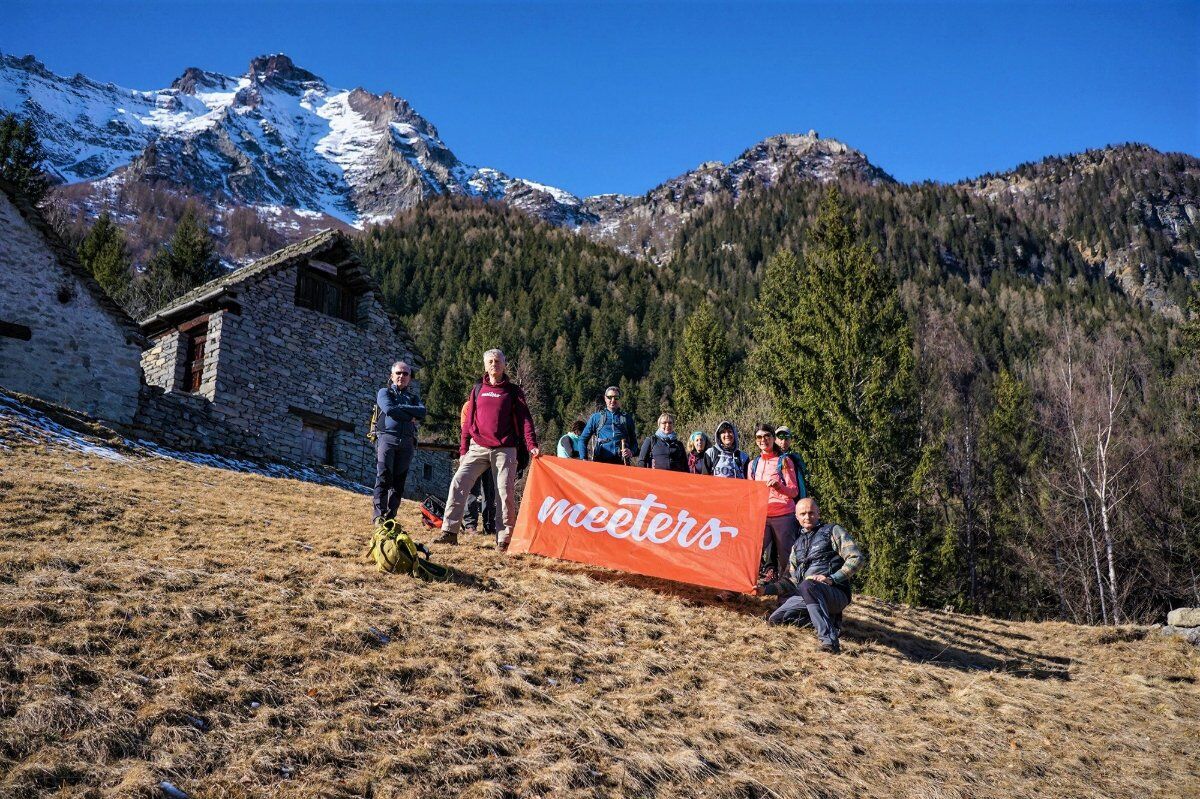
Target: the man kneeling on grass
(817, 582)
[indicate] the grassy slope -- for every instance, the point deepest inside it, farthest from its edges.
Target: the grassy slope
(146, 606)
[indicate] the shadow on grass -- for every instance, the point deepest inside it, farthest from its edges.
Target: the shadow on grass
(945, 654)
(957, 645)
(742, 604)
(459, 577)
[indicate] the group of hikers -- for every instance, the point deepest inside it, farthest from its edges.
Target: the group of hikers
(806, 561)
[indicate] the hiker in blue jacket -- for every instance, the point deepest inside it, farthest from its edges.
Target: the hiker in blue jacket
(396, 438)
(613, 429)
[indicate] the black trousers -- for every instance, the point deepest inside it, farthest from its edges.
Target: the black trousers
(484, 492)
(392, 458)
(600, 456)
(818, 604)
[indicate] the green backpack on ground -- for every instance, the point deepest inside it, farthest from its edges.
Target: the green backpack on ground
(394, 551)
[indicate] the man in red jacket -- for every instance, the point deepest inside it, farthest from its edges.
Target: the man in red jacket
(497, 418)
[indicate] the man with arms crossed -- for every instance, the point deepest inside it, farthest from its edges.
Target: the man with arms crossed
(395, 438)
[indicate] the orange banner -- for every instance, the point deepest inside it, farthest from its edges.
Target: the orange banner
(686, 527)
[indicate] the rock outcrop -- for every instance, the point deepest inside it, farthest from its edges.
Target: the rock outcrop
(1184, 623)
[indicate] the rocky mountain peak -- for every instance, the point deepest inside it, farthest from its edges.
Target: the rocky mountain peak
(26, 63)
(384, 109)
(194, 78)
(280, 71)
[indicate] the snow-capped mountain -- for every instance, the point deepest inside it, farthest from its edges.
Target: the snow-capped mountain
(276, 136)
(303, 154)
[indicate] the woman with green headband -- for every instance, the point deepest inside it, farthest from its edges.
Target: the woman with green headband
(698, 444)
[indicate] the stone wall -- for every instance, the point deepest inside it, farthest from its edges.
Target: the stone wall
(275, 359)
(162, 363)
(430, 473)
(186, 422)
(271, 368)
(78, 354)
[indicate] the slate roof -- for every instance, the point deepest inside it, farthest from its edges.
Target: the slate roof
(226, 287)
(67, 258)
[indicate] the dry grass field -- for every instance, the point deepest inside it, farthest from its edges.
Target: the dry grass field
(166, 622)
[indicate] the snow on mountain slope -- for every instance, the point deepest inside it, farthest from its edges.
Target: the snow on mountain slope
(275, 136)
(301, 153)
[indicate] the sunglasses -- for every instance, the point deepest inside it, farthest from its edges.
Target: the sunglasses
(761, 436)
(402, 374)
(611, 396)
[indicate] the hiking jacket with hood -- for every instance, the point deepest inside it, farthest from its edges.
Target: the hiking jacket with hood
(609, 427)
(721, 462)
(497, 416)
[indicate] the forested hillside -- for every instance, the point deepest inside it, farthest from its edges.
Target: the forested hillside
(1132, 209)
(575, 315)
(1058, 424)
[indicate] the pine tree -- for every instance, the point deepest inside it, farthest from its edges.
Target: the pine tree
(1009, 450)
(701, 375)
(103, 252)
(21, 157)
(837, 356)
(773, 361)
(189, 260)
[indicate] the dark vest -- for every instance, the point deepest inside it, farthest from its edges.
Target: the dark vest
(815, 553)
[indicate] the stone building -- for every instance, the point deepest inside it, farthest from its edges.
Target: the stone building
(281, 359)
(62, 338)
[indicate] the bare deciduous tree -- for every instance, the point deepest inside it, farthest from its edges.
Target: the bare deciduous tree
(1093, 388)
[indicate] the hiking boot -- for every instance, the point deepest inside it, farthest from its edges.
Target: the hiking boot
(502, 541)
(447, 537)
(832, 647)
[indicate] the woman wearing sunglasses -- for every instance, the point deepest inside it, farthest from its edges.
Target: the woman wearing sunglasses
(775, 469)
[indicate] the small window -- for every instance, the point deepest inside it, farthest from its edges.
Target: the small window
(317, 444)
(321, 293)
(427, 471)
(193, 368)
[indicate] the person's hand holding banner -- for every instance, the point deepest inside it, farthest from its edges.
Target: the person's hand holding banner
(691, 528)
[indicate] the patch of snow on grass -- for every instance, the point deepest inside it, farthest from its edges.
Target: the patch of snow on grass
(23, 424)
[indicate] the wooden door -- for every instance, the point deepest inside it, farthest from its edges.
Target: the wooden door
(194, 370)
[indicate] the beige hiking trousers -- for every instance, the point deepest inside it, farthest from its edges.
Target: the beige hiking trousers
(503, 460)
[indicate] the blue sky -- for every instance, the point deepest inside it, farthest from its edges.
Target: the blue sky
(599, 97)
